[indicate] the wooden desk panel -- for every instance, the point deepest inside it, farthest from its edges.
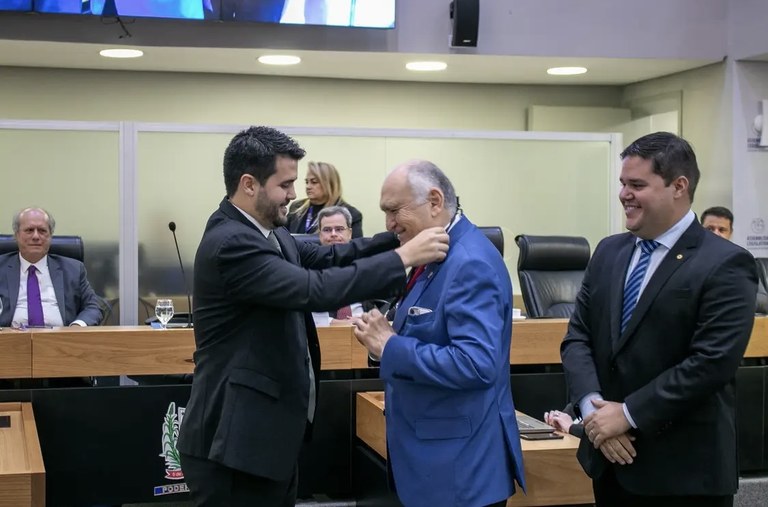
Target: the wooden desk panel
(758, 341)
(15, 354)
(22, 474)
(108, 350)
(141, 350)
(553, 475)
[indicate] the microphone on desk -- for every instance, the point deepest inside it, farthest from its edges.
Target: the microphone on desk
(172, 227)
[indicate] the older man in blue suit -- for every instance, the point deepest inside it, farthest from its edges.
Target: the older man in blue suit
(452, 435)
(39, 289)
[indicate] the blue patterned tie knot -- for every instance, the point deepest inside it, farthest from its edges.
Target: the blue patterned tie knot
(635, 281)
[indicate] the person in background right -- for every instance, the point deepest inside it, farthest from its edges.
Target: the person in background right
(662, 320)
(323, 186)
(719, 220)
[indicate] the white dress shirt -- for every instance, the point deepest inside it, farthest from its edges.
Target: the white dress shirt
(324, 318)
(666, 241)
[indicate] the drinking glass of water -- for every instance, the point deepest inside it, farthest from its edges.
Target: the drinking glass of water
(164, 311)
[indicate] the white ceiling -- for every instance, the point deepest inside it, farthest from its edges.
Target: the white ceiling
(462, 68)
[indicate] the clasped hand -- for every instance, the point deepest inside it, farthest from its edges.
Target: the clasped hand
(373, 331)
(607, 429)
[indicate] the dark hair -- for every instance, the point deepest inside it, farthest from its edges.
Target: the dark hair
(253, 152)
(671, 155)
(335, 210)
(718, 211)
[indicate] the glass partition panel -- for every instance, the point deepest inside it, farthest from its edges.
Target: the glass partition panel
(360, 162)
(540, 187)
(74, 176)
(525, 186)
(180, 180)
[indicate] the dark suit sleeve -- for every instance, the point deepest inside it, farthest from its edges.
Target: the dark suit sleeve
(89, 310)
(723, 326)
(345, 276)
(576, 349)
(577, 430)
(357, 222)
(294, 220)
(320, 257)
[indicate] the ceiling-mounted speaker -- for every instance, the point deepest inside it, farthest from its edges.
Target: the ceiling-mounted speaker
(466, 17)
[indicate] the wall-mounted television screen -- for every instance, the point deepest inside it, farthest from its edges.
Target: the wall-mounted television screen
(15, 5)
(356, 13)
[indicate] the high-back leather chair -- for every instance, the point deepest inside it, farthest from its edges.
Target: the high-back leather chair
(762, 270)
(66, 246)
(308, 238)
(551, 269)
(762, 285)
(496, 236)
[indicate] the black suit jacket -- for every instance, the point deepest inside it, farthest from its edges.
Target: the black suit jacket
(674, 366)
(248, 407)
(76, 298)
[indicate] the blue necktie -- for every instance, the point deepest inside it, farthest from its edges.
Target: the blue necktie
(635, 281)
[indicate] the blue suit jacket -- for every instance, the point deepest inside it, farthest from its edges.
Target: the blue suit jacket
(451, 430)
(74, 294)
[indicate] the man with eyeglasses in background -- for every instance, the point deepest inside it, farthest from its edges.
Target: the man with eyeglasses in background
(334, 228)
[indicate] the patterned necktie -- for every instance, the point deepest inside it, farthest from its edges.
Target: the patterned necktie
(34, 303)
(635, 281)
(344, 313)
(272, 238)
(415, 274)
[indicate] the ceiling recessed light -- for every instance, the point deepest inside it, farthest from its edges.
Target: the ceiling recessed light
(279, 59)
(566, 71)
(121, 53)
(426, 66)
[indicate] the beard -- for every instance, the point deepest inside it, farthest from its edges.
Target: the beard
(270, 211)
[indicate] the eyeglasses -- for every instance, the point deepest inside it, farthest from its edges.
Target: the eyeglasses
(329, 230)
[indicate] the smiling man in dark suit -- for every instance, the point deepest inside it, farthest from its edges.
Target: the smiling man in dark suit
(258, 357)
(661, 322)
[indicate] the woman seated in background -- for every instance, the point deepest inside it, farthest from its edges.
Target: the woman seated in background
(323, 187)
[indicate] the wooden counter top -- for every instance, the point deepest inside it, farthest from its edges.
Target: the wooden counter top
(142, 350)
(552, 473)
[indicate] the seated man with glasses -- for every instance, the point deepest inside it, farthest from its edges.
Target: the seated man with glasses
(335, 227)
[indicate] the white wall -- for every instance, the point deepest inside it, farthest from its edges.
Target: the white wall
(706, 124)
(747, 31)
(235, 99)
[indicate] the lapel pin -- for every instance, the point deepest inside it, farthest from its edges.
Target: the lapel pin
(679, 256)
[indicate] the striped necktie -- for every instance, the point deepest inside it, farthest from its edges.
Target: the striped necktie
(635, 281)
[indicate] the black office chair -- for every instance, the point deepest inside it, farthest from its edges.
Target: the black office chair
(762, 281)
(551, 269)
(762, 270)
(66, 246)
(496, 236)
(308, 238)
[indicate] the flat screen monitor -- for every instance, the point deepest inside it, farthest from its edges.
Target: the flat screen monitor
(15, 5)
(353, 13)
